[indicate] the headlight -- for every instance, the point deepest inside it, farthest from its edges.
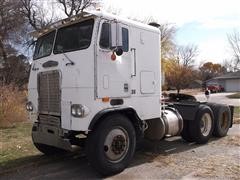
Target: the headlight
(29, 106)
(78, 110)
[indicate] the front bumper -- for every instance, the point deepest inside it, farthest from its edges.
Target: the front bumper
(49, 135)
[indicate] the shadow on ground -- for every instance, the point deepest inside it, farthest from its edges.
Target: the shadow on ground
(76, 166)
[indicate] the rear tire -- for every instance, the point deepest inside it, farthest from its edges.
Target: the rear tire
(185, 132)
(111, 145)
(222, 119)
(201, 129)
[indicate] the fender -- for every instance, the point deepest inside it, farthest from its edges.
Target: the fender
(187, 110)
(127, 111)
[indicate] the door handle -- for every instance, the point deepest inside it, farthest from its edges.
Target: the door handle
(134, 62)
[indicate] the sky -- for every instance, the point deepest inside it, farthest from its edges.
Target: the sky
(204, 23)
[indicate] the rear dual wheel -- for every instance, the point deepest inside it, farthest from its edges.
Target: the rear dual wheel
(222, 119)
(211, 119)
(199, 130)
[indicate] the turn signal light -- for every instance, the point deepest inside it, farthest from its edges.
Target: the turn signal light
(113, 57)
(105, 99)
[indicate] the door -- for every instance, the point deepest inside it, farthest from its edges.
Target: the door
(232, 85)
(113, 72)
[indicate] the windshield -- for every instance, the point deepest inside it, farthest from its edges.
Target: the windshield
(44, 45)
(74, 37)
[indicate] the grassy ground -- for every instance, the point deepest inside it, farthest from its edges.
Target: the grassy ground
(15, 144)
(12, 106)
(236, 115)
(234, 96)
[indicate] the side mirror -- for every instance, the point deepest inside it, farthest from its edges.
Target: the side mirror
(116, 36)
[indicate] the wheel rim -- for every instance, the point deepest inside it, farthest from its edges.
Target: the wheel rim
(116, 144)
(206, 124)
(224, 121)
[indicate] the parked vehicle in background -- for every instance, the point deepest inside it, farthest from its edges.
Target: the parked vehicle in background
(214, 88)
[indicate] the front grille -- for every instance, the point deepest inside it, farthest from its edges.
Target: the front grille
(49, 96)
(49, 120)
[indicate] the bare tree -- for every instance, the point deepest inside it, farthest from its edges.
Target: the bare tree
(16, 70)
(37, 16)
(168, 46)
(73, 7)
(178, 75)
(10, 23)
(168, 32)
(179, 71)
(187, 54)
(234, 41)
(13, 68)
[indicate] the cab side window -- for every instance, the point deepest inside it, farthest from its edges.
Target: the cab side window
(105, 36)
(125, 39)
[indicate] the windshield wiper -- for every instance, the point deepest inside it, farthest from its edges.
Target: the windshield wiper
(70, 61)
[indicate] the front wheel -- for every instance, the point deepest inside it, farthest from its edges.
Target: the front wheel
(111, 145)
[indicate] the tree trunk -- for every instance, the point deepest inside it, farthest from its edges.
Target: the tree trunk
(3, 54)
(2, 50)
(178, 90)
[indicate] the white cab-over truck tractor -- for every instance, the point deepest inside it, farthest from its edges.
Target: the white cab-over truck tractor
(95, 82)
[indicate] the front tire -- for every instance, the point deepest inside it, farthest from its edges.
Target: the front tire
(111, 145)
(201, 129)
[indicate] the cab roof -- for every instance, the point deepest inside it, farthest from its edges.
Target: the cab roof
(88, 14)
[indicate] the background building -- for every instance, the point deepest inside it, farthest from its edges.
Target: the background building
(230, 81)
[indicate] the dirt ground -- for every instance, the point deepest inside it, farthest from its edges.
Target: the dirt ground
(168, 159)
(173, 159)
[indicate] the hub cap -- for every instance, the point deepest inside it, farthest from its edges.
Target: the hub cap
(116, 144)
(206, 124)
(224, 121)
